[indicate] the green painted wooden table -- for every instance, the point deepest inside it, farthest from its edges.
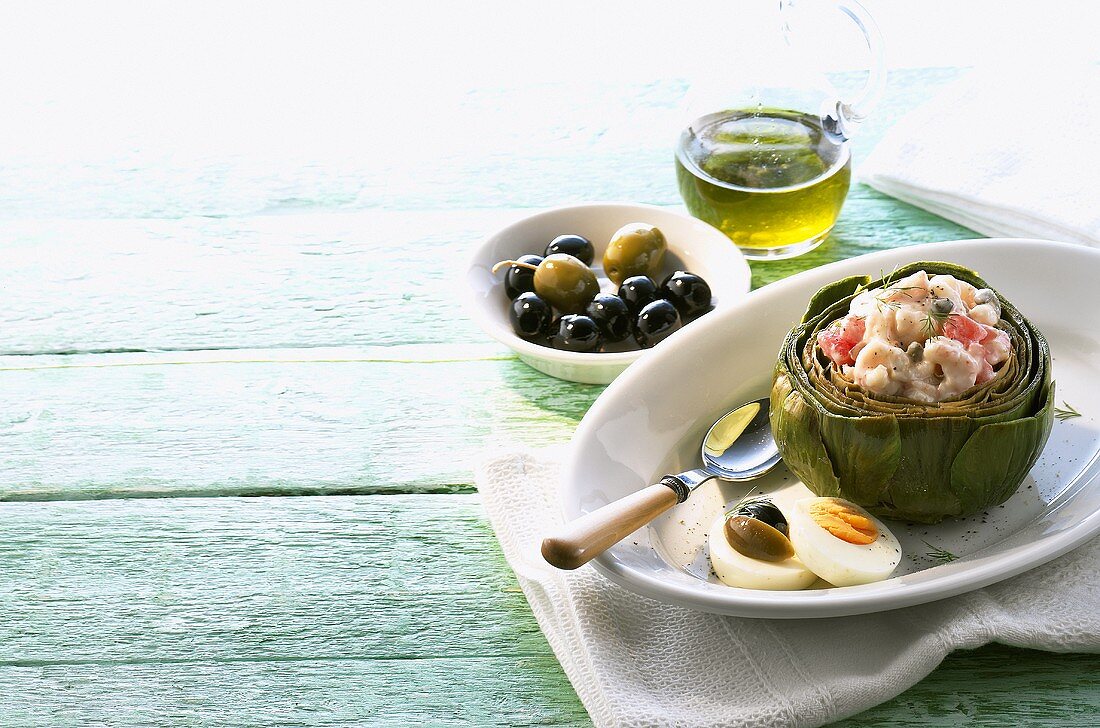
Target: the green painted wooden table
(238, 412)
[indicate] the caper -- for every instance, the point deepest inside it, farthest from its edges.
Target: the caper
(915, 352)
(942, 305)
(757, 540)
(636, 249)
(563, 281)
(987, 296)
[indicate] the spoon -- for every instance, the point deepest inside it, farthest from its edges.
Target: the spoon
(738, 447)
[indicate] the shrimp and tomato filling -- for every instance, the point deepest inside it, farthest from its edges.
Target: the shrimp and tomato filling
(923, 338)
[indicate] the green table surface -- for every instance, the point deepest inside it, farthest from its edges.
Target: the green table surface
(238, 413)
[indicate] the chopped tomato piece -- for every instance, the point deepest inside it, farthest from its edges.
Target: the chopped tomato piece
(992, 334)
(854, 328)
(963, 329)
(838, 341)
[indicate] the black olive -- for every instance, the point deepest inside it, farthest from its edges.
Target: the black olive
(611, 315)
(575, 245)
(765, 510)
(530, 315)
(656, 322)
(689, 293)
(576, 332)
(521, 280)
(637, 292)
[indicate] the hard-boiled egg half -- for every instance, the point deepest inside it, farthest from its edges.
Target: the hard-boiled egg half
(841, 542)
(749, 548)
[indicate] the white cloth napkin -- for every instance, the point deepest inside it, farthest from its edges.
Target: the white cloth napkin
(637, 662)
(1004, 152)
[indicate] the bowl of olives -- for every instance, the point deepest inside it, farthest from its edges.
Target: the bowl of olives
(581, 291)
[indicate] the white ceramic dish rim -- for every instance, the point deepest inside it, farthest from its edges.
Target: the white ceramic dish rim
(849, 600)
(529, 348)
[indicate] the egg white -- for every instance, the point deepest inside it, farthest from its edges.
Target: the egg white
(836, 561)
(736, 569)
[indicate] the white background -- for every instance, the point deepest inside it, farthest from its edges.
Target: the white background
(219, 91)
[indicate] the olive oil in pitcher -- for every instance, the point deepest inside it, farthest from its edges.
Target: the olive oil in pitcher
(773, 180)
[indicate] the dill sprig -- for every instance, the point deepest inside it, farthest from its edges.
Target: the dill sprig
(889, 289)
(883, 298)
(1065, 412)
(902, 290)
(932, 322)
(887, 279)
(937, 554)
(746, 500)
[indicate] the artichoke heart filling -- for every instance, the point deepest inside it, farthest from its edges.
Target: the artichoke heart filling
(923, 338)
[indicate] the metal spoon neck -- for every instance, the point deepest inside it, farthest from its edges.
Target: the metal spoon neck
(684, 484)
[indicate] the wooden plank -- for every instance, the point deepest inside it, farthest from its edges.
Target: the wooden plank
(387, 419)
(363, 279)
(197, 283)
(235, 579)
(390, 610)
(253, 611)
(538, 143)
(446, 691)
(996, 686)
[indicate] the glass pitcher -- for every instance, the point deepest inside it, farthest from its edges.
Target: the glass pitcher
(765, 152)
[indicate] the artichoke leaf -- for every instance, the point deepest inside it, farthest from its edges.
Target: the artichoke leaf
(841, 290)
(864, 452)
(797, 433)
(921, 489)
(998, 456)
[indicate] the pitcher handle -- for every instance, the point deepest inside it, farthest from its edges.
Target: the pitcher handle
(843, 117)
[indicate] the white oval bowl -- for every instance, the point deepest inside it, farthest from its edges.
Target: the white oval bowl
(693, 245)
(650, 422)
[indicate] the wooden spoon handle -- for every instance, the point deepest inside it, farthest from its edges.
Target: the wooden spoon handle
(585, 538)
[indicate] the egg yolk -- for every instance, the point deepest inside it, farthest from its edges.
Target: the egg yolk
(843, 522)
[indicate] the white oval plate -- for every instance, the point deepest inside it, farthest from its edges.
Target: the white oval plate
(650, 422)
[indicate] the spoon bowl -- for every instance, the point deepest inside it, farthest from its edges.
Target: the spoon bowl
(739, 446)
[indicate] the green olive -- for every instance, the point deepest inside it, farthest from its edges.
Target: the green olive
(566, 283)
(636, 249)
(757, 540)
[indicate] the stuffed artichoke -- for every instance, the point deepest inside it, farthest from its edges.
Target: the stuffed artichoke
(920, 395)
